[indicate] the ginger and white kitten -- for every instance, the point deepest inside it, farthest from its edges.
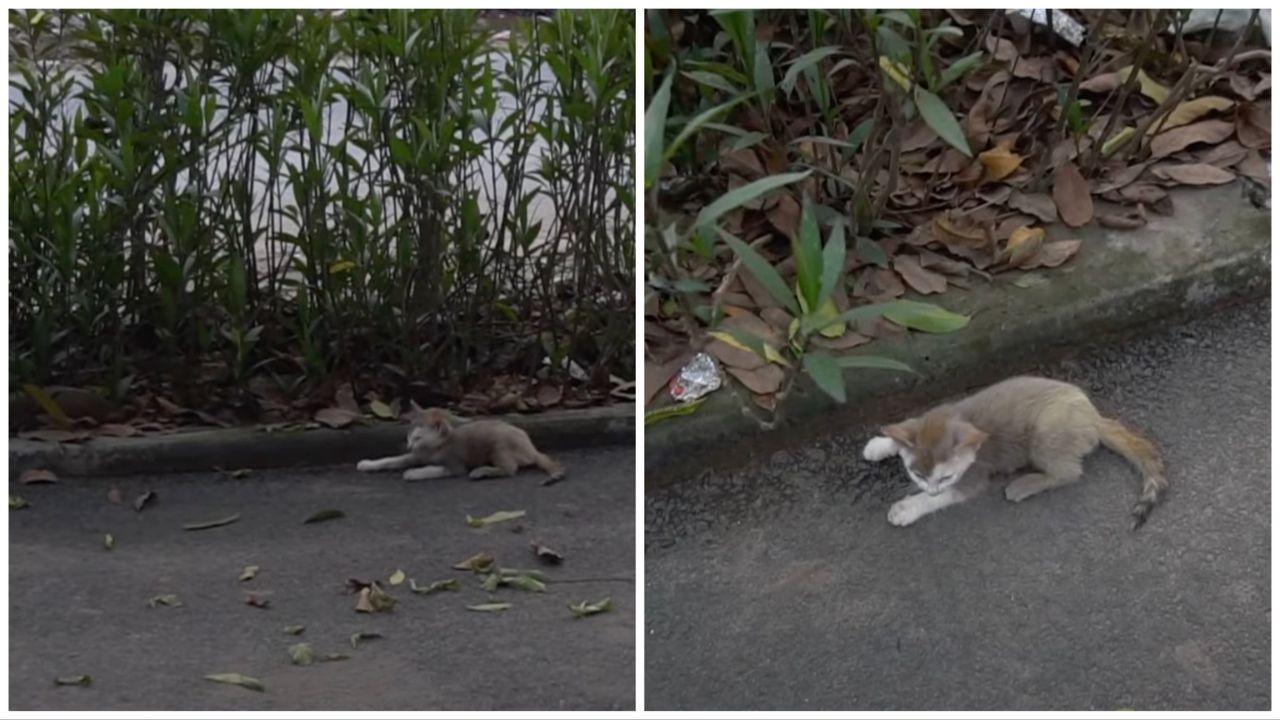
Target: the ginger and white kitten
(479, 449)
(1040, 426)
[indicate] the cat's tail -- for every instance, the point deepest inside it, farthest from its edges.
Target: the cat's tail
(553, 469)
(1141, 454)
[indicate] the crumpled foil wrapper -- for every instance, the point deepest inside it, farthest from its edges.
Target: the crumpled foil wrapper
(1064, 26)
(697, 378)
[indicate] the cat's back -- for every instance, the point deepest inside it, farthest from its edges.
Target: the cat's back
(1021, 399)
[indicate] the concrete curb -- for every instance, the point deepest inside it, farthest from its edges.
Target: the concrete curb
(1214, 250)
(252, 448)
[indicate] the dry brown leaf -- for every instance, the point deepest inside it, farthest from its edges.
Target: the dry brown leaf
(744, 162)
(55, 436)
(847, 341)
(877, 284)
(1107, 82)
(778, 319)
(767, 402)
(550, 394)
(656, 376)
(734, 356)
(1255, 167)
(336, 417)
(1144, 193)
(37, 476)
(1071, 195)
(919, 135)
(345, 398)
(118, 430)
(1119, 178)
(1052, 254)
(1208, 131)
(785, 216)
(1039, 205)
(763, 380)
(1253, 124)
(1188, 111)
(1245, 86)
(1024, 243)
(1193, 174)
(1123, 220)
(1225, 155)
(1000, 162)
(925, 282)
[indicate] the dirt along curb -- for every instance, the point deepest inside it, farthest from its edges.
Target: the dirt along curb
(253, 448)
(1214, 249)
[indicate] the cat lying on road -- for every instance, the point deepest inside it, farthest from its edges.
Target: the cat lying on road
(1042, 425)
(479, 449)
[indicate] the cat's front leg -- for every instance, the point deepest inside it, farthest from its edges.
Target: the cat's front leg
(429, 472)
(398, 462)
(913, 507)
(880, 448)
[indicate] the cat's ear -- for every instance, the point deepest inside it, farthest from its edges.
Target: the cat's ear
(437, 420)
(903, 432)
(972, 438)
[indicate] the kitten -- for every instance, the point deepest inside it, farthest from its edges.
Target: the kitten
(1043, 426)
(480, 449)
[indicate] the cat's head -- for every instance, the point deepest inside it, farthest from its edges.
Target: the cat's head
(936, 449)
(431, 428)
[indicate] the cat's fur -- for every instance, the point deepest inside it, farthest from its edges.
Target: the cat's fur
(478, 449)
(1041, 426)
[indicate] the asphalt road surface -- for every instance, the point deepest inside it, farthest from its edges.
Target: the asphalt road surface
(76, 608)
(781, 586)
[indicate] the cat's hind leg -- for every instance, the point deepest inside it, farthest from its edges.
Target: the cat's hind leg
(398, 462)
(504, 465)
(1057, 469)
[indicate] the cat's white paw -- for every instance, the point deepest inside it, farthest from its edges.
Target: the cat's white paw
(905, 511)
(880, 448)
(366, 466)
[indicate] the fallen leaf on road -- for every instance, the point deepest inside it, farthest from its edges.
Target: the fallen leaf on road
(142, 500)
(17, 502)
(546, 554)
(500, 516)
(396, 578)
(336, 656)
(1030, 280)
(324, 515)
(168, 600)
(584, 608)
(294, 629)
(109, 542)
(437, 586)
(1071, 195)
(1122, 221)
(81, 680)
(237, 679)
(480, 562)
(1194, 174)
(205, 525)
(489, 607)
(382, 410)
(1052, 254)
(257, 601)
(37, 476)
(524, 582)
(1024, 242)
(374, 599)
(250, 572)
(301, 654)
(357, 637)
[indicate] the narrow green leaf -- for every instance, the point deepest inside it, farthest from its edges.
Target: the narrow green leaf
(764, 272)
(655, 123)
(871, 252)
(745, 194)
(925, 317)
(808, 60)
(958, 68)
(832, 261)
(873, 362)
(698, 123)
(939, 117)
(657, 415)
(826, 374)
(806, 248)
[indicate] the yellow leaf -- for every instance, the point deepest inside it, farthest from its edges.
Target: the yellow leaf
(833, 329)
(896, 72)
(1149, 87)
(1024, 242)
(1000, 162)
(1190, 110)
(770, 352)
(341, 266)
(1115, 141)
